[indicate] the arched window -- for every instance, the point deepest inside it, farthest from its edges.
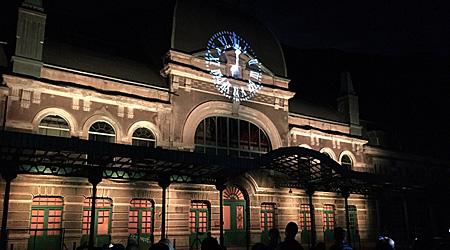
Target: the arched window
(102, 131)
(230, 136)
(346, 162)
(54, 125)
(233, 193)
(143, 137)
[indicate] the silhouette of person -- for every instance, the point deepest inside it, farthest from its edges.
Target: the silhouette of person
(289, 242)
(274, 238)
(210, 243)
(259, 246)
(159, 246)
(166, 242)
(340, 244)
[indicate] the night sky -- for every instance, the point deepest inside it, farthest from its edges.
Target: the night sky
(398, 53)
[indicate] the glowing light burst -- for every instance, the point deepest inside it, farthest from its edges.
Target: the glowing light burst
(233, 86)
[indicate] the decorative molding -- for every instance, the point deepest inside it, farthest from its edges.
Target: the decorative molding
(86, 105)
(75, 103)
(36, 97)
(25, 99)
(130, 112)
(120, 111)
(15, 93)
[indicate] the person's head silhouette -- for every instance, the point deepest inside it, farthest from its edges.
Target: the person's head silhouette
(339, 234)
(291, 230)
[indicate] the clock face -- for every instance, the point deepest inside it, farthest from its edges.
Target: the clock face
(235, 69)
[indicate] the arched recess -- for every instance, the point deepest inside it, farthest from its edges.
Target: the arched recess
(350, 155)
(55, 111)
(329, 152)
(143, 124)
(236, 214)
(217, 108)
(99, 118)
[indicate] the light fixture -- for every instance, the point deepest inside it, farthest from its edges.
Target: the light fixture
(290, 190)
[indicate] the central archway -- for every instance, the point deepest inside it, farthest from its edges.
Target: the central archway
(217, 108)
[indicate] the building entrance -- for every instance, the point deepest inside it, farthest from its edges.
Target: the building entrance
(234, 217)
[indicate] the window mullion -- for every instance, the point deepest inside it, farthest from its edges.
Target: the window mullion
(216, 133)
(204, 135)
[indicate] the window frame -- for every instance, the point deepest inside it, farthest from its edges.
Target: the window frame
(59, 129)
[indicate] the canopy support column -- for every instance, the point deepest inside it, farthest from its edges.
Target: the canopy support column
(221, 187)
(164, 183)
(8, 175)
(346, 194)
(310, 193)
(94, 179)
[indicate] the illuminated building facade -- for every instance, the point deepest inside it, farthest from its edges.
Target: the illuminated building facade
(344, 178)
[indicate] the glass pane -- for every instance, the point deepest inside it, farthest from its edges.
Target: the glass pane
(199, 135)
(210, 126)
(103, 222)
(239, 217)
(222, 131)
(346, 162)
(143, 137)
(254, 138)
(226, 217)
(54, 125)
(233, 123)
(244, 134)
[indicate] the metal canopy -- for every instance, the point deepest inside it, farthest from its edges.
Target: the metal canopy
(310, 169)
(296, 167)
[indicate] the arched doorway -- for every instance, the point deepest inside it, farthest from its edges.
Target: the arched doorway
(234, 217)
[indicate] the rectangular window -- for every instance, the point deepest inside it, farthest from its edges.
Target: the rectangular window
(46, 216)
(267, 216)
(198, 217)
(328, 217)
(305, 217)
(140, 216)
(103, 213)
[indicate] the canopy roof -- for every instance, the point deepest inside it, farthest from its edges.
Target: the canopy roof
(295, 167)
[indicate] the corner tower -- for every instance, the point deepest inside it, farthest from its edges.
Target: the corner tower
(348, 104)
(29, 39)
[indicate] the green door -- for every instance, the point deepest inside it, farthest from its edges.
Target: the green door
(198, 223)
(305, 224)
(234, 217)
(328, 222)
(353, 221)
(102, 226)
(45, 223)
(267, 221)
(140, 224)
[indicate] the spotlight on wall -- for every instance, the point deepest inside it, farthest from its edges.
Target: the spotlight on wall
(290, 190)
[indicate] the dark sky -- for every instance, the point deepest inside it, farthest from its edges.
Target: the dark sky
(382, 26)
(398, 53)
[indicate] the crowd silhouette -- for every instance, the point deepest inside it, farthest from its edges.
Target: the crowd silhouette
(274, 242)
